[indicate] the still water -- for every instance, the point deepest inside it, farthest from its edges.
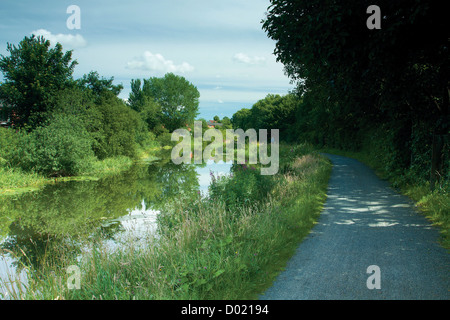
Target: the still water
(122, 206)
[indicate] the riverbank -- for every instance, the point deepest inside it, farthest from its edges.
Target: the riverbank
(208, 248)
(16, 181)
(434, 205)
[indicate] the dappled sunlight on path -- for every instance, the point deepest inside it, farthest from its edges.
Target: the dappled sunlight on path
(364, 222)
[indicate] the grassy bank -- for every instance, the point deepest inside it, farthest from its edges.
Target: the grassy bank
(434, 205)
(15, 181)
(206, 249)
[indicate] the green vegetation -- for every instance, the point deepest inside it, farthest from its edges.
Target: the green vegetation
(170, 102)
(62, 127)
(382, 95)
(221, 247)
(386, 90)
(14, 180)
(272, 112)
(34, 73)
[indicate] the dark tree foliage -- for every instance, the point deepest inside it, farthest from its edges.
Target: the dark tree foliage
(354, 78)
(34, 73)
(99, 86)
(141, 101)
(272, 112)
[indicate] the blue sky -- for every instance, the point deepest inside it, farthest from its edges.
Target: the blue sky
(219, 46)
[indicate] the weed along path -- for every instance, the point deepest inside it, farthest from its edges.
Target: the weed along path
(369, 243)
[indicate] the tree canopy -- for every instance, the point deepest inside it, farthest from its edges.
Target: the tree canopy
(33, 72)
(178, 100)
(272, 112)
(353, 78)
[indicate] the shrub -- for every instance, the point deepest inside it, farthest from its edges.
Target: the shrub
(245, 185)
(115, 128)
(9, 140)
(62, 147)
(165, 139)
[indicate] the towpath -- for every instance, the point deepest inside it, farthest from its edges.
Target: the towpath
(370, 243)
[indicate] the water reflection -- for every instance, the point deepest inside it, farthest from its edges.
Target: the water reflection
(34, 223)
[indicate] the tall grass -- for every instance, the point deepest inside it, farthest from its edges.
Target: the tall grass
(109, 166)
(13, 180)
(211, 251)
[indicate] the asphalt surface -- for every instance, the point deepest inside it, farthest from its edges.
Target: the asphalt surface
(365, 223)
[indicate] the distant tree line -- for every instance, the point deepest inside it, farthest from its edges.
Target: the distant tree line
(272, 112)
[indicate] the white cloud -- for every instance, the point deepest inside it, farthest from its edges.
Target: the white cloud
(156, 62)
(243, 58)
(68, 41)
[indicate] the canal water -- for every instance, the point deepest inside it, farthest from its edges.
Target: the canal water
(118, 207)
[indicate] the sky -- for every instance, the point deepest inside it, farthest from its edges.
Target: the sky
(218, 46)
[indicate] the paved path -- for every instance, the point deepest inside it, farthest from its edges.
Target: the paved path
(364, 223)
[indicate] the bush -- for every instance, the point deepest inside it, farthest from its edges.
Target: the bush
(61, 148)
(147, 140)
(245, 185)
(9, 140)
(165, 139)
(115, 128)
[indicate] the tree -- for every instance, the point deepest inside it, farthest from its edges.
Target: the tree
(177, 97)
(33, 74)
(115, 128)
(395, 76)
(242, 119)
(97, 86)
(141, 101)
(272, 112)
(226, 123)
(136, 95)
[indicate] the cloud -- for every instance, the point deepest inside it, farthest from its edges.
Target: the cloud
(66, 40)
(243, 58)
(156, 62)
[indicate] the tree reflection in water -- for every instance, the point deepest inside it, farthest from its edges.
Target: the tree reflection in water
(35, 227)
